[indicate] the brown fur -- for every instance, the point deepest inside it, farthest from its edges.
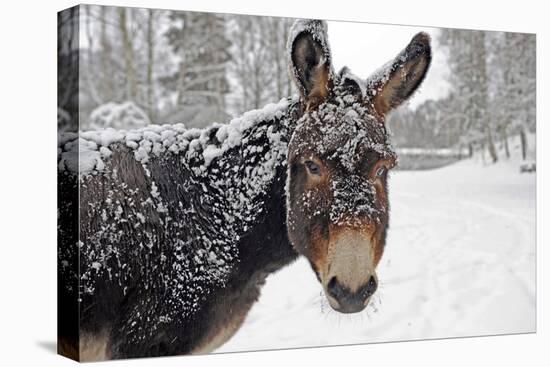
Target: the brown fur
(68, 348)
(93, 347)
(318, 251)
(401, 84)
(319, 92)
(228, 314)
(222, 332)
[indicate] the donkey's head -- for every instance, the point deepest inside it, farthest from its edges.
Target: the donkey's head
(338, 161)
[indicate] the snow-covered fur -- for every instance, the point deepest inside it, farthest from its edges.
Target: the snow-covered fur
(178, 228)
(167, 234)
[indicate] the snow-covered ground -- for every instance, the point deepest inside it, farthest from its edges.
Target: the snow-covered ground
(459, 261)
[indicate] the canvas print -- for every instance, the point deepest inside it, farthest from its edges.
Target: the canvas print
(238, 183)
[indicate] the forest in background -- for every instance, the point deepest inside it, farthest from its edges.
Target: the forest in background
(176, 66)
(140, 66)
(493, 96)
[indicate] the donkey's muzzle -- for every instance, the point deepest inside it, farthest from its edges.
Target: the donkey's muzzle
(349, 278)
(347, 300)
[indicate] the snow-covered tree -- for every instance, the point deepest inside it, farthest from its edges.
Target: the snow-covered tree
(119, 116)
(467, 58)
(121, 58)
(493, 95)
(433, 124)
(258, 65)
(199, 81)
(514, 86)
(178, 66)
(67, 66)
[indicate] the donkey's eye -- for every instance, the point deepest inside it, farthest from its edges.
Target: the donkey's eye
(381, 170)
(313, 168)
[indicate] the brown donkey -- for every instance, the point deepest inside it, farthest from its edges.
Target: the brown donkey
(174, 231)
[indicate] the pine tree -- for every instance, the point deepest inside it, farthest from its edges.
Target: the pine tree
(468, 70)
(200, 82)
(515, 86)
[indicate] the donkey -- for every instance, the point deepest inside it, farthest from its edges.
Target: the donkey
(174, 231)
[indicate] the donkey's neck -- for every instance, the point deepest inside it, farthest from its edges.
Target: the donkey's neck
(241, 168)
(243, 164)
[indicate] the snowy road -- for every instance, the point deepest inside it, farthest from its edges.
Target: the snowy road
(459, 261)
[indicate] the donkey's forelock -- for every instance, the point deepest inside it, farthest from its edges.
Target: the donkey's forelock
(341, 129)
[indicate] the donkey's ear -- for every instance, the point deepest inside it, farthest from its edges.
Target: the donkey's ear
(310, 60)
(398, 80)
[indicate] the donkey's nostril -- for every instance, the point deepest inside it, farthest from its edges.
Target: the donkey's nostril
(344, 300)
(334, 288)
(369, 288)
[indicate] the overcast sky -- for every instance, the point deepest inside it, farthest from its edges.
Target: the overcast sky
(364, 47)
